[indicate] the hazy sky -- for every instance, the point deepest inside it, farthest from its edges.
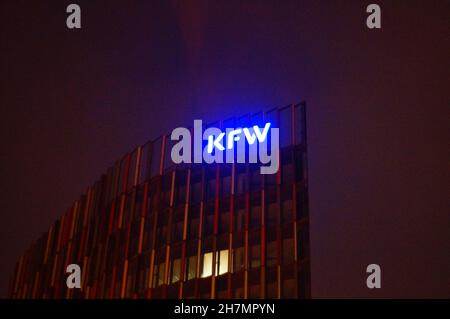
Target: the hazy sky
(74, 101)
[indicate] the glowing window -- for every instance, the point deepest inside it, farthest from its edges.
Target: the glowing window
(207, 265)
(221, 266)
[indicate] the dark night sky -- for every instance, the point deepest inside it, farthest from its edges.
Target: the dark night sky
(73, 101)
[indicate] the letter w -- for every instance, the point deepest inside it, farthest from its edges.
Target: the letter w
(261, 136)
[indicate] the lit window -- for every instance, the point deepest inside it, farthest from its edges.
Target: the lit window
(207, 265)
(223, 267)
(221, 263)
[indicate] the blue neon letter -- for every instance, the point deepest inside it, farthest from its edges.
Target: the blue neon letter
(261, 136)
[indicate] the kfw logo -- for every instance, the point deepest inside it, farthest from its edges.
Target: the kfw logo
(234, 145)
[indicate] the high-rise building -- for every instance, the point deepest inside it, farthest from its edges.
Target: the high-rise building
(151, 229)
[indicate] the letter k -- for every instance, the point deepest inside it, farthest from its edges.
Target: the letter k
(215, 142)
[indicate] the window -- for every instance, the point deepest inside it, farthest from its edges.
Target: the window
(302, 204)
(255, 256)
(238, 259)
(299, 123)
(239, 293)
(158, 275)
(255, 178)
(254, 291)
(196, 187)
(286, 124)
(239, 219)
(299, 158)
(166, 189)
(272, 214)
(241, 183)
(144, 170)
(303, 245)
(286, 204)
(132, 170)
(191, 265)
(272, 255)
(289, 289)
(176, 266)
(208, 219)
(131, 277)
(177, 232)
(148, 231)
(286, 209)
(161, 231)
(138, 203)
(226, 186)
(272, 290)
(221, 263)
(288, 250)
(207, 265)
(272, 282)
(211, 188)
(224, 222)
(155, 157)
(178, 224)
(193, 227)
(287, 171)
(193, 221)
(143, 275)
(303, 283)
(255, 214)
(180, 187)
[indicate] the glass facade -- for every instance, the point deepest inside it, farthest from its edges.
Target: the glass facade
(151, 229)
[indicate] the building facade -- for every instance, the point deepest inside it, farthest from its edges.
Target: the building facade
(151, 229)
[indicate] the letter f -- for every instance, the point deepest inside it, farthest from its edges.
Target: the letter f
(232, 137)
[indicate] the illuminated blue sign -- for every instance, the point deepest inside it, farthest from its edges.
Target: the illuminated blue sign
(229, 145)
(235, 135)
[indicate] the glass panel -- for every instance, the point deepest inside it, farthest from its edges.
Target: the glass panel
(193, 227)
(167, 152)
(241, 183)
(299, 122)
(223, 260)
(288, 251)
(272, 214)
(240, 219)
(224, 222)
(156, 157)
(238, 259)
(255, 214)
(158, 275)
(287, 168)
(285, 127)
(255, 256)
(144, 164)
(196, 186)
(271, 254)
(289, 289)
(209, 224)
(176, 266)
(191, 265)
(207, 265)
(299, 159)
(132, 170)
(123, 177)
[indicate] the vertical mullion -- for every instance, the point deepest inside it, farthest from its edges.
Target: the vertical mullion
(184, 242)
